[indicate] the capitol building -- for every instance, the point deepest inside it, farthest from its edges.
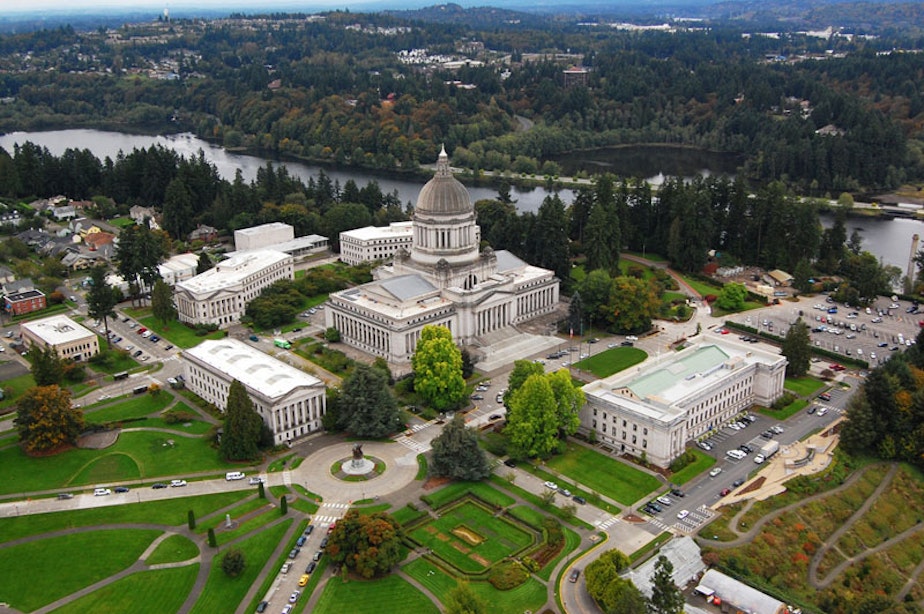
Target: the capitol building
(445, 279)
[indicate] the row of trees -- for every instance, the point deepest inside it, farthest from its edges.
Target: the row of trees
(617, 595)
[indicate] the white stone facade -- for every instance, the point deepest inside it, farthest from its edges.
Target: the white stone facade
(443, 280)
(373, 243)
(657, 409)
(291, 402)
(265, 235)
(220, 295)
(68, 338)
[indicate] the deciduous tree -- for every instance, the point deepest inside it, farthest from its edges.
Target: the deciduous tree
(243, 426)
(369, 545)
(568, 402)
(732, 297)
(46, 420)
(522, 369)
(463, 600)
(633, 303)
(366, 406)
(437, 364)
(233, 562)
(456, 453)
(532, 428)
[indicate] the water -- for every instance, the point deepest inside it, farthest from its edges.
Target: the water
(889, 240)
(104, 144)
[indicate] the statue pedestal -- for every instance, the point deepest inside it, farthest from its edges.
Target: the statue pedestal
(355, 466)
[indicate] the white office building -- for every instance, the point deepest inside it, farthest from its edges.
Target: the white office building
(265, 235)
(68, 338)
(290, 401)
(657, 408)
(220, 295)
(445, 279)
(179, 268)
(375, 242)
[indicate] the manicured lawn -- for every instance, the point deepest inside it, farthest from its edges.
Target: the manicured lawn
(117, 359)
(430, 576)
(457, 489)
(406, 515)
(528, 596)
(16, 386)
(235, 512)
(34, 576)
(804, 386)
(167, 511)
(223, 594)
(177, 333)
(152, 454)
(535, 500)
(611, 361)
(572, 541)
(370, 597)
(607, 476)
(133, 407)
(501, 538)
(702, 462)
(702, 287)
(196, 427)
(527, 515)
(173, 549)
(146, 592)
(781, 414)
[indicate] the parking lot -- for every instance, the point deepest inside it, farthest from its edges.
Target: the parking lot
(870, 334)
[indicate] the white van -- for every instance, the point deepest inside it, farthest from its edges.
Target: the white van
(234, 475)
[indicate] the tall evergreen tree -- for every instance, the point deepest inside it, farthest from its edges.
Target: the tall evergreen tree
(366, 406)
(666, 598)
(47, 366)
(797, 348)
(242, 427)
(551, 233)
(162, 302)
(456, 453)
(204, 263)
(101, 299)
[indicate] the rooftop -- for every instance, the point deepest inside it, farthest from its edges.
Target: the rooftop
(255, 230)
(367, 233)
(257, 371)
(57, 329)
(233, 270)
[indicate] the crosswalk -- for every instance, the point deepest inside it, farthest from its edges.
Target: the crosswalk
(603, 525)
(416, 446)
(287, 477)
(329, 513)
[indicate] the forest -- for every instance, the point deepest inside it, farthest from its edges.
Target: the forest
(821, 116)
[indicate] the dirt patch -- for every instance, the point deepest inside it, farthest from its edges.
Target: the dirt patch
(442, 537)
(461, 547)
(634, 518)
(430, 529)
(479, 559)
(755, 485)
(98, 441)
(432, 483)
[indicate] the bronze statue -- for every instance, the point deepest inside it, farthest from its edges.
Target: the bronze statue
(357, 451)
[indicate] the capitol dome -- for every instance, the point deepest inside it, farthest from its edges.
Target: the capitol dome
(444, 194)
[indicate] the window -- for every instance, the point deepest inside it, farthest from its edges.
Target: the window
(645, 431)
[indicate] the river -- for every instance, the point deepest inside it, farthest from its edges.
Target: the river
(889, 240)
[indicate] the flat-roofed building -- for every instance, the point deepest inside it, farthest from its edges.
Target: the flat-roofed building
(21, 297)
(290, 401)
(179, 268)
(220, 295)
(68, 338)
(264, 235)
(657, 408)
(375, 242)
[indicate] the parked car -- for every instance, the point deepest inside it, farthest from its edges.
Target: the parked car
(101, 492)
(309, 529)
(579, 499)
(301, 541)
(121, 489)
(294, 596)
(311, 566)
(738, 482)
(157, 485)
(682, 514)
(294, 552)
(724, 492)
(677, 492)
(177, 483)
(65, 495)
(551, 485)
(256, 480)
(510, 462)
(715, 471)
(261, 607)
(304, 579)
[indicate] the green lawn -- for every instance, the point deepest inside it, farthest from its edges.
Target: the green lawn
(612, 360)
(167, 511)
(223, 594)
(501, 538)
(196, 427)
(369, 597)
(173, 549)
(781, 414)
(700, 286)
(572, 541)
(15, 387)
(177, 333)
(609, 477)
(146, 592)
(406, 515)
(552, 509)
(136, 455)
(457, 489)
(133, 407)
(116, 359)
(34, 576)
(804, 386)
(703, 461)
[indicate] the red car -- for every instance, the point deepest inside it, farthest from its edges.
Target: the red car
(837, 367)
(141, 330)
(725, 491)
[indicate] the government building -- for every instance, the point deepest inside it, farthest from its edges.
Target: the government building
(220, 295)
(375, 242)
(290, 401)
(656, 410)
(444, 279)
(68, 338)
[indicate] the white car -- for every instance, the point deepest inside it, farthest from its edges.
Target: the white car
(715, 472)
(551, 485)
(682, 514)
(101, 492)
(177, 483)
(759, 459)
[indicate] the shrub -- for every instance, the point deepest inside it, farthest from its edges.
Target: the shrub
(682, 461)
(332, 335)
(507, 575)
(175, 416)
